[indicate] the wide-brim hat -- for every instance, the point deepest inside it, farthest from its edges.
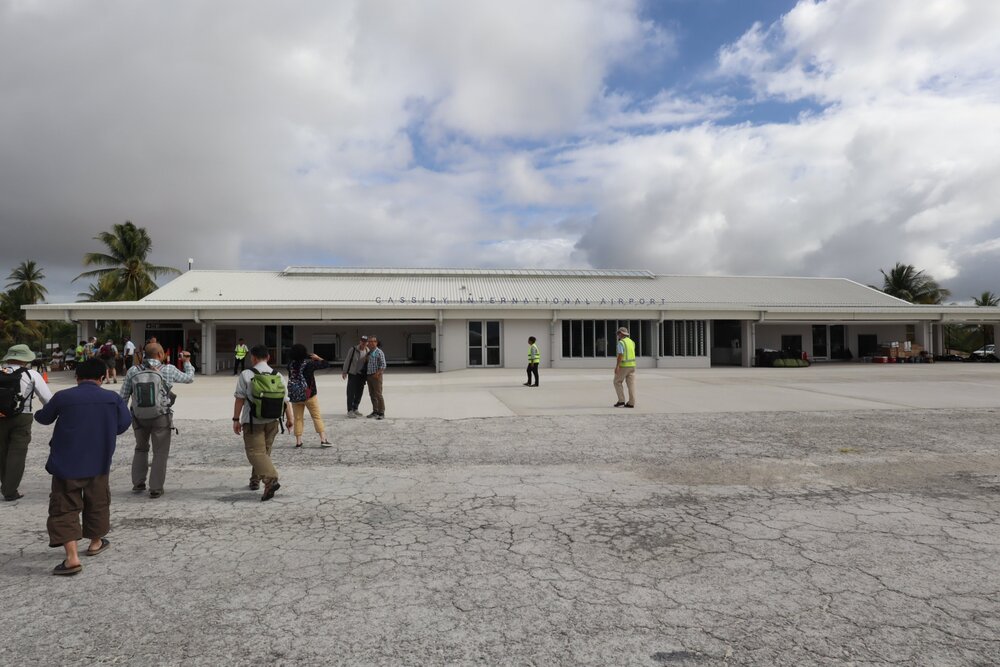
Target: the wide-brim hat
(623, 331)
(21, 353)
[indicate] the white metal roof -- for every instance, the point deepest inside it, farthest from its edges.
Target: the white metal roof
(452, 286)
(243, 293)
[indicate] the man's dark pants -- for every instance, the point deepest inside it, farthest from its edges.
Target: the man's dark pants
(15, 434)
(70, 497)
(533, 370)
(239, 365)
(355, 390)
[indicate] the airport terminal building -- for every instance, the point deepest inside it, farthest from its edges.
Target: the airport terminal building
(451, 319)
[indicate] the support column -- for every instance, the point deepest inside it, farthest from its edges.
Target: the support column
(208, 353)
(85, 329)
(748, 343)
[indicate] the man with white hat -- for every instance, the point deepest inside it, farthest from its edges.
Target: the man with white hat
(18, 384)
(625, 369)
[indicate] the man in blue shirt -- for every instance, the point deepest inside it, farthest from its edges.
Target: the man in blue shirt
(88, 419)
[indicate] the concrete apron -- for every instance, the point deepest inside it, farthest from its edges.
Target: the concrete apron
(413, 394)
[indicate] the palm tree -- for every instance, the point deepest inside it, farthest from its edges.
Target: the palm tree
(987, 299)
(26, 282)
(904, 282)
(129, 275)
(13, 327)
(97, 291)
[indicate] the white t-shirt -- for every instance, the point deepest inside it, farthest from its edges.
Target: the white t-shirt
(130, 348)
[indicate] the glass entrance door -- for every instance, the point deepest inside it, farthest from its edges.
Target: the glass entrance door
(484, 343)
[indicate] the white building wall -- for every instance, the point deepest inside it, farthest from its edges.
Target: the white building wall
(515, 342)
(454, 345)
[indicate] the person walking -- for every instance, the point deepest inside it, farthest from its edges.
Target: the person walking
(87, 421)
(149, 385)
(625, 369)
(108, 353)
(128, 354)
(261, 399)
(355, 371)
(80, 353)
(240, 357)
(534, 358)
(376, 366)
(18, 384)
(302, 392)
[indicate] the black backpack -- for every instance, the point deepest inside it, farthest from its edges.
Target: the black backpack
(11, 400)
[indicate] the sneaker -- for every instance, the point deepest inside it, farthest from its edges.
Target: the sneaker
(352, 415)
(357, 413)
(527, 384)
(326, 443)
(254, 485)
(374, 414)
(269, 490)
(138, 488)
(380, 416)
(155, 494)
(629, 406)
(619, 404)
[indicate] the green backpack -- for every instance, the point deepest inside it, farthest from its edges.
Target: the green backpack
(267, 396)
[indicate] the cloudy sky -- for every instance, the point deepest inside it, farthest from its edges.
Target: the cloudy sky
(829, 138)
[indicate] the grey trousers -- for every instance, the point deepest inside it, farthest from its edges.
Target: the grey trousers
(158, 431)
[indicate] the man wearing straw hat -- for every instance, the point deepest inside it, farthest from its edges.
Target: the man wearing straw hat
(18, 384)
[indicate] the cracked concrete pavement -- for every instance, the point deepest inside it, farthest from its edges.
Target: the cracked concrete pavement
(864, 537)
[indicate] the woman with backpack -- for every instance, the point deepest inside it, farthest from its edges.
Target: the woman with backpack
(302, 392)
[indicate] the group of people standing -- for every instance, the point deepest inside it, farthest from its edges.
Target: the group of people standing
(108, 353)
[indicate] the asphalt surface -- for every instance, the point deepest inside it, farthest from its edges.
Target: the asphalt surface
(757, 538)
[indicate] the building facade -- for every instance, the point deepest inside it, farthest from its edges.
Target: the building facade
(451, 319)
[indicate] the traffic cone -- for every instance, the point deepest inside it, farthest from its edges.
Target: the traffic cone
(45, 376)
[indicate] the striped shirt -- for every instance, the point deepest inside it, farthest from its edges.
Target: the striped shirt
(171, 375)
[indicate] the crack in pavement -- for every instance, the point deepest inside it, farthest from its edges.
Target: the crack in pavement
(737, 539)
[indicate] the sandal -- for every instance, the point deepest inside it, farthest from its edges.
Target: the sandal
(62, 570)
(105, 543)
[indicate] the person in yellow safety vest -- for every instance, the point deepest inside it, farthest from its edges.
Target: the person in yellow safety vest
(625, 369)
(241, 357)
(534, 357)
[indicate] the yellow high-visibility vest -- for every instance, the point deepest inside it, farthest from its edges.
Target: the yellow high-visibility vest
(628, 359)
(241, 351)
(534, 356)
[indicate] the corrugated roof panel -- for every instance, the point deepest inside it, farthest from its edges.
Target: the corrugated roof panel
(361, 286)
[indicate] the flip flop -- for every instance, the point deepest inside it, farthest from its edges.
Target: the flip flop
(104, 547)
(62, 570)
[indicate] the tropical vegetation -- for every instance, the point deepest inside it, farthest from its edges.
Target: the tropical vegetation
(905, 282)
(124, 273)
